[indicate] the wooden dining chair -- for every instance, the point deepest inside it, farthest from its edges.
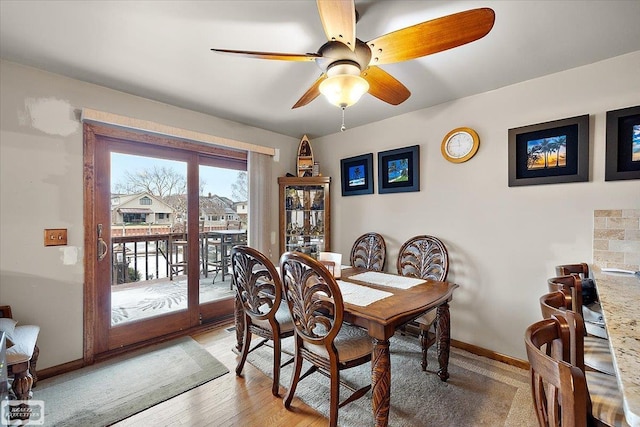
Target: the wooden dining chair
(563, 393)
(571, 286)
(597, 350)
(369, 251)
(597, 354)
(321, 337)
(424, 257)
(591, 310)
(581, 269)
(259, 293)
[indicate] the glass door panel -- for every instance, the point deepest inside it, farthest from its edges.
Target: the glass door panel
(149, 238)
(223, 223)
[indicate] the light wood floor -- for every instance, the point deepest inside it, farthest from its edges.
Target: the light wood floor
(229, 400)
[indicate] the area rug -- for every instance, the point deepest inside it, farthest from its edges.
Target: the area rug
(480, 391)
(110, 391)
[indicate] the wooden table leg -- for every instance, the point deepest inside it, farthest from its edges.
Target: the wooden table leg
(22, 381)
(443, 330)
(381, 382)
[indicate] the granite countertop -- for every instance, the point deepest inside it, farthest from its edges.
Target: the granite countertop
(619, 296)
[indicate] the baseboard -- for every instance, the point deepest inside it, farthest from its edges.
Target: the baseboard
(60, 369)
(480, 351)
(414, 330)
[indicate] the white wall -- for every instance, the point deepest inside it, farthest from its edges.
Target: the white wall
(41, 187)
(503, 242)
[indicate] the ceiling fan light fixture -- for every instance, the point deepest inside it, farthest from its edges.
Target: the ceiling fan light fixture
(343, 86)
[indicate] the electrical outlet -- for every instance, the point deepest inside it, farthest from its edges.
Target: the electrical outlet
(55, 236)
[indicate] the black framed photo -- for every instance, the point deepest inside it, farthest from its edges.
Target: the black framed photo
(549, 153)
(357, 175)
(399, 170)
(623, 144)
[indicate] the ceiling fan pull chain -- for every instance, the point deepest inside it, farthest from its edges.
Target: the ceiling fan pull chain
(343, 127)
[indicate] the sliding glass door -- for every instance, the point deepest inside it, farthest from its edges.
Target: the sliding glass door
(163, 217)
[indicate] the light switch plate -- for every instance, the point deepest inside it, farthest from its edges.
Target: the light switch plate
(55, 236)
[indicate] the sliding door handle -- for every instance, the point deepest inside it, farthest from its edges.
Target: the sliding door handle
(103, 248)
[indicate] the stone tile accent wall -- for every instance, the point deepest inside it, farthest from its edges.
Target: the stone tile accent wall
(616, 238)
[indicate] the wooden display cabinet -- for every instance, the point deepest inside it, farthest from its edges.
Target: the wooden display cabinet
(305, 214)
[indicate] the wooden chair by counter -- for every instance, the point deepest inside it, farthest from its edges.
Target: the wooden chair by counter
(571, 285)
(369, 251)
(581, 270)
(597, 354)
(424, 257)
(259, 292)
(21, 354)
(321, 337)
(563, 393)
(589, 312)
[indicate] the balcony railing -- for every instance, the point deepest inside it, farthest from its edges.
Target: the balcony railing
(163, 255)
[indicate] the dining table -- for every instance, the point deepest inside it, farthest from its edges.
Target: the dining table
(382, 303)
(404, 299)
(619, 294)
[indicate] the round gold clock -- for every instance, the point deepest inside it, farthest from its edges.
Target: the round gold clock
(460, 145)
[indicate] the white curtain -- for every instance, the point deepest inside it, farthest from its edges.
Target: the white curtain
(260, 202)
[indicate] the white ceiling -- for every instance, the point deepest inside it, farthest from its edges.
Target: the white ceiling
(160, 50)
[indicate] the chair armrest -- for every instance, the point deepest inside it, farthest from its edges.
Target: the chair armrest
(5, 311)
(24, 342)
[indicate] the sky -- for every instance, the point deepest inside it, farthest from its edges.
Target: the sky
(217, 180)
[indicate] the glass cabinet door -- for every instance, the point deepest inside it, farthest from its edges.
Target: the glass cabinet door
(304, 215)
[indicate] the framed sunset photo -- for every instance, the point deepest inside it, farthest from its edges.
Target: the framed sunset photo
(550, 152)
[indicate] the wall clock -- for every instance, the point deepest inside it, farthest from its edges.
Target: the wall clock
(460, 145)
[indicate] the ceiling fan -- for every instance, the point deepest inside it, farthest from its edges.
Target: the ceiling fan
(350, 66)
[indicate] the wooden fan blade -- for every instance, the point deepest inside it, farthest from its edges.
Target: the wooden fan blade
(432, 36)
(312, 93)
(339, 20)
(385, 87)
(272, 55)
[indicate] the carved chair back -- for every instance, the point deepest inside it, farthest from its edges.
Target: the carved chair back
(257, 283)
(425, 257)
(369, 251)
(314, 300)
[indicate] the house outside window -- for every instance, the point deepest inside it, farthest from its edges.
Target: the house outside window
(134, 218)
(145, 200)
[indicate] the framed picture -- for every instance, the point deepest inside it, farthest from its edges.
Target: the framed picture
(357, 175)
(623, 144)
(399, 170)
(549, 153)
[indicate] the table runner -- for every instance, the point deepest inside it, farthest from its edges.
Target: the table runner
(389, 280)
(360, 295)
